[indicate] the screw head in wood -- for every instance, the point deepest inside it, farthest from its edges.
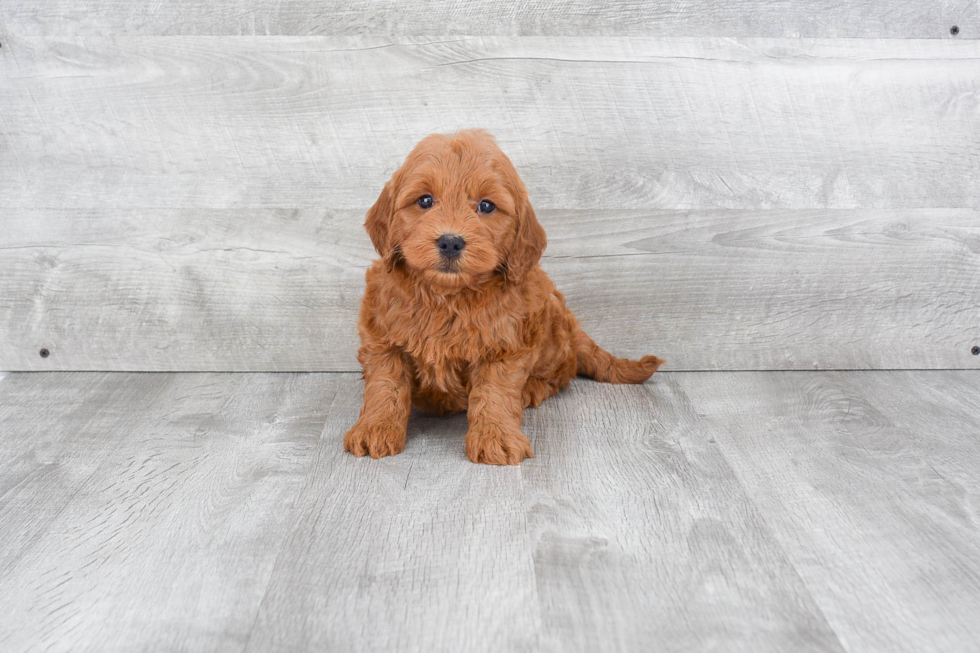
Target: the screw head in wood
(954, 30)
(975, 351)
(45, 353)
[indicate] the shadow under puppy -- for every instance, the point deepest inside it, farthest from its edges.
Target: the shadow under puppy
(458, 315)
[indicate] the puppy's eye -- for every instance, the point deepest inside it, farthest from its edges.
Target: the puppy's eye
(425, 201)
(486, 206)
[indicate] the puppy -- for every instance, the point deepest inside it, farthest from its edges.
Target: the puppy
(457, 314)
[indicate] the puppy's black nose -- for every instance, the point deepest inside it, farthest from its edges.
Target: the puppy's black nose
(450, 245)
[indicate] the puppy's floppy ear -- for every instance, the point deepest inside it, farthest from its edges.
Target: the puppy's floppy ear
(529, 243)
(378, 220)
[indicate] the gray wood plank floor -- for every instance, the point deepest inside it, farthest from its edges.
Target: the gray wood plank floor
(770, 511)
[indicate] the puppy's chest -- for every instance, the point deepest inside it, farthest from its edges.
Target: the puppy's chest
(445, 342)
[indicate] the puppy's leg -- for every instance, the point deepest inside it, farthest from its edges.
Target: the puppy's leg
(380, 430)
(496, 407)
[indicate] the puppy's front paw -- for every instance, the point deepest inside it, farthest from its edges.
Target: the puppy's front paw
(375, 439)
(497, 446)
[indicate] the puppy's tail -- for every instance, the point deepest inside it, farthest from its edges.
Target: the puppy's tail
(599, 364)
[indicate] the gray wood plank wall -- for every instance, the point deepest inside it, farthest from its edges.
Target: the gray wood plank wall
(783, 18)
(174, 196)
(267, 289)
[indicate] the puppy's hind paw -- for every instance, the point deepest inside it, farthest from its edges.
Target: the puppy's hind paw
(375, 439)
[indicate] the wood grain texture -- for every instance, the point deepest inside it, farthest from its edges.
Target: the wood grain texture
(152, 520)
(603, 123)
(870, 484)
(267, 289)
(643, 537)
(55, 433)
(420, 552)
(791, 18)
(812, 511)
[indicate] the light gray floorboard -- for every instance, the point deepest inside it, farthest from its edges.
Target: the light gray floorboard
(644, 538)
(242, 122)
(871, 484)
(267, 289)
(794, 18)
(55, 433)
(154, 524)
(702, 511)
(421, 552)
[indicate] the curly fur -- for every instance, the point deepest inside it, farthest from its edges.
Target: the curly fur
(487, 333)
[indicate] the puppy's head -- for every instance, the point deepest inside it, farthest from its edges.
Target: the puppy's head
(456, 213)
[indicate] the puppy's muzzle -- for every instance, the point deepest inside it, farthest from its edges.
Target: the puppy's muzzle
(450, 246)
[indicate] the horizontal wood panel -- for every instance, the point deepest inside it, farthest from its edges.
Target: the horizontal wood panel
(601, 123)
(790, 18)
(279, 289)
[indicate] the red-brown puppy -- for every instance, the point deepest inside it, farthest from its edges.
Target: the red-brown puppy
(458, 315)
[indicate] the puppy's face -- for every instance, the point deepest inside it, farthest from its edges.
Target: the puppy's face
(456, 213)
